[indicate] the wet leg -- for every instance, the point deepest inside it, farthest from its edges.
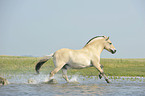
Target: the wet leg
(101, 71)
(64, 74)
(52, 73)
(100, 75)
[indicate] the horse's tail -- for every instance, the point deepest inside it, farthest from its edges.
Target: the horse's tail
(41, 62)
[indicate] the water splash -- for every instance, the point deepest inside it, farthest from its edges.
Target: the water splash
(41, 78)
(26, 78)
(74, 78)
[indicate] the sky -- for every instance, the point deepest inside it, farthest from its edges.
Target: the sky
(41, 27)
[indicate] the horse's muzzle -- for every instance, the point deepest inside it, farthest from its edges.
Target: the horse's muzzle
(113, 51)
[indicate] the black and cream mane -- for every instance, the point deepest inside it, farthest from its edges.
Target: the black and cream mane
(93, 39)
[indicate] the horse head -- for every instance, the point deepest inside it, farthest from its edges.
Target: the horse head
(109, 46)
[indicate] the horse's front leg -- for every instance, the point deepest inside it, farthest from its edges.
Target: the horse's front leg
(100, 74)
(98, 66)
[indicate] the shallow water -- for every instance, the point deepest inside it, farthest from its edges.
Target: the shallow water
(87, 86)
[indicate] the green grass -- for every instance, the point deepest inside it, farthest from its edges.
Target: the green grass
(112, 67)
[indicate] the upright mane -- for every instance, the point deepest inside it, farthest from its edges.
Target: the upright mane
(93, 39)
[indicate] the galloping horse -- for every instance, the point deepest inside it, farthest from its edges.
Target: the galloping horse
(88, 56)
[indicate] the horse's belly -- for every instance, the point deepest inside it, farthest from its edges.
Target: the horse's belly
(79, 59)
(80, 64)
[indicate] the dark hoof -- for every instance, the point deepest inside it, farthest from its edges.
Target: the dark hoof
(108, 81)
(100, 76)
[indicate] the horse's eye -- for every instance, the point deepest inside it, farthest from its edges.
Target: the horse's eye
(110, 43)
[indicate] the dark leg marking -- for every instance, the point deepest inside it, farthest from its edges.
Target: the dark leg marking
(65, 66)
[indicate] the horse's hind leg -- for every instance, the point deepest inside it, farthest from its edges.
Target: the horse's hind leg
(64, 73)
(52, 73)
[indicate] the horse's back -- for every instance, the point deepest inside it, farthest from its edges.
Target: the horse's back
(63, 52)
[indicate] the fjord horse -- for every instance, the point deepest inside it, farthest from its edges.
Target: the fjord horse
(88, 56)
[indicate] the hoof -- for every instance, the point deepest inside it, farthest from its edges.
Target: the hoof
(108, 81)
(52, 81)
(100, 76)
(3, 81)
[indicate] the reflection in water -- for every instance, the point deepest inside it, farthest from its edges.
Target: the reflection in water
(23, 85)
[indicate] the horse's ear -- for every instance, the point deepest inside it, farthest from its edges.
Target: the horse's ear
(107, 38)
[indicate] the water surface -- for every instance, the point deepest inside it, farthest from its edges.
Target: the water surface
(87, 86)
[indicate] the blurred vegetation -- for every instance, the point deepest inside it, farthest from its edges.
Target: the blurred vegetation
(112, 67)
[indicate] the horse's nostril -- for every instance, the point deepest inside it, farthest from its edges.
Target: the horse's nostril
(113, 51)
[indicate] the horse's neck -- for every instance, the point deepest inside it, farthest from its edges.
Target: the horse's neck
(95, 48)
